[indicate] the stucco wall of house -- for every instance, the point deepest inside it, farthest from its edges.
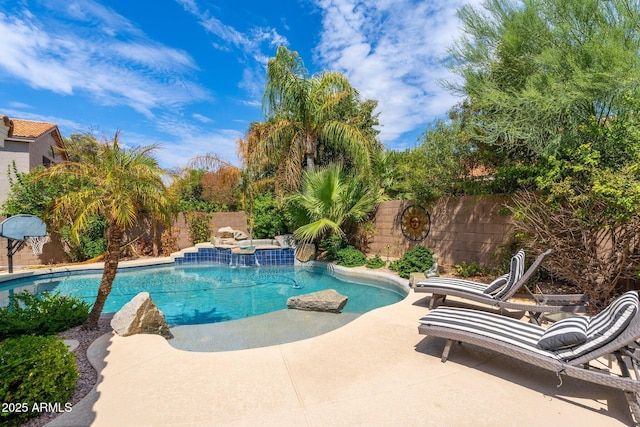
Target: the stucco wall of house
(40, 148)
(12, 151)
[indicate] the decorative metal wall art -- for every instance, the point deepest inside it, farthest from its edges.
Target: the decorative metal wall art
(416, 223)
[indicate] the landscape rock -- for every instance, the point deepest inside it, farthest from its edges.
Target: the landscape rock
(226, 232)
(306, 252)
(328, 301)
(239, 235)
(140, 316)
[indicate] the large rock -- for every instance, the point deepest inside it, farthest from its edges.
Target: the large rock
(226, 232)
(328, 300)
(140, 316)
(306, 252)
(240, 235)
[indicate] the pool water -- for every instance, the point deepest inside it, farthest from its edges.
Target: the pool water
(200, 294)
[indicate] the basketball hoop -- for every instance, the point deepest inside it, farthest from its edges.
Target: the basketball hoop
(21, 229)
(36, 243)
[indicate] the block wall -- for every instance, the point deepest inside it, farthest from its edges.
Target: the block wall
(467, 228)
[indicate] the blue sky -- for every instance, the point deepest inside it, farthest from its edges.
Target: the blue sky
(189, 74)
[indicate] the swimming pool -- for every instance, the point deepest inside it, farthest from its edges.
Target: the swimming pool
(199, 294)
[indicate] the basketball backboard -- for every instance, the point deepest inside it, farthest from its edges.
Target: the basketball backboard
(18, 227)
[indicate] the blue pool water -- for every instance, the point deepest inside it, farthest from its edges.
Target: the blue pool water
(201, 294)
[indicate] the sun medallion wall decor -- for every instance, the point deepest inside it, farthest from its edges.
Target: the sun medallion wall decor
(416, 223)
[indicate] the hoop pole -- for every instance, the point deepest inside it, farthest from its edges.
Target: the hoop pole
(13, 246)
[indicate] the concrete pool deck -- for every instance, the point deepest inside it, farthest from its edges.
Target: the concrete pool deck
(376, 370)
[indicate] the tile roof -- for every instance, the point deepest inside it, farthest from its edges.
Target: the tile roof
(30, 129)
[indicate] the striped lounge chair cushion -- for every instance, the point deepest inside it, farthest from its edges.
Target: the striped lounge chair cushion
(565, 333)
(490, 325)
(495, 286)
(453, 284)
(605, 326)
(516, 273)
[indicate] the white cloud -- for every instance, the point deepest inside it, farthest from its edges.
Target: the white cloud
(201, 118)
(135, 72)
(186, 140)
(249, 43)
(69, 125)
(391, 51)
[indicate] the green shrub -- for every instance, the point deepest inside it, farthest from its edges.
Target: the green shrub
(43, 314)
(199, 227)
(266, 218)
(468, 270)
(34, 370)
(375, 262)
(350, 257)
(90, 244)
(332, 245)
(414, 260)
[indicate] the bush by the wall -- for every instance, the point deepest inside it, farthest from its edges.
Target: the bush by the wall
(199, 227)
(350, 257)
(468, 270)
(375, 262)
(332, 245)
(414, 260)
(43, 314)
(34, 370)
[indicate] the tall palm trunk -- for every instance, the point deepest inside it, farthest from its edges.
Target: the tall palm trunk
(310, 148)
(111, 259)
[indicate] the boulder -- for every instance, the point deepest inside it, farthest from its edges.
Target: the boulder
(140, 316)
(328, 301)
(306, 252)
(239, 235)
(226, 232)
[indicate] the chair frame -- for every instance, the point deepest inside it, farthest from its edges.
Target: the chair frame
(624, 348)
(570, 303)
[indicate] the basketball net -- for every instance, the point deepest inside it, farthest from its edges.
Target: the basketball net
(36, 243)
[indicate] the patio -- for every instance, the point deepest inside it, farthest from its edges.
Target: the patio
(375, 370)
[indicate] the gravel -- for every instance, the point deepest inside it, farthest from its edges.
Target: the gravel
(87, 375)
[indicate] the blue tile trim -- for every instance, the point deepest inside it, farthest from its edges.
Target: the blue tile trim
(285, 256)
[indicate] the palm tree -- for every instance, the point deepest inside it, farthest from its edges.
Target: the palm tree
(303, 115)
(123, 183)
(330, 203)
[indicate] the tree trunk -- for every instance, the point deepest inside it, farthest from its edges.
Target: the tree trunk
(111, 259)
(310, 148)
(310, 162)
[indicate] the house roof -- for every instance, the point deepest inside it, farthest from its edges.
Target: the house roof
(30, 129)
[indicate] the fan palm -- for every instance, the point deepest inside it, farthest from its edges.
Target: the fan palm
(303, 115)
(123, 183)
(330, 203)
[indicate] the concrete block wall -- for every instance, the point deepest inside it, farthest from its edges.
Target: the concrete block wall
(467, 228)
(235, 220)
(53, 252)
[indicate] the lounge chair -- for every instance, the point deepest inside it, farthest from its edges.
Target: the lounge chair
(498, 292)
(566, 347)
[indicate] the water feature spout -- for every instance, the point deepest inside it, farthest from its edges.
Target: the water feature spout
(256, 259)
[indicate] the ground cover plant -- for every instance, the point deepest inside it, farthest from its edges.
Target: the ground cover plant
(34, 370)
(350, 257)
(43, 314)
(471, 269)
(375, 262)
(414, 260)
